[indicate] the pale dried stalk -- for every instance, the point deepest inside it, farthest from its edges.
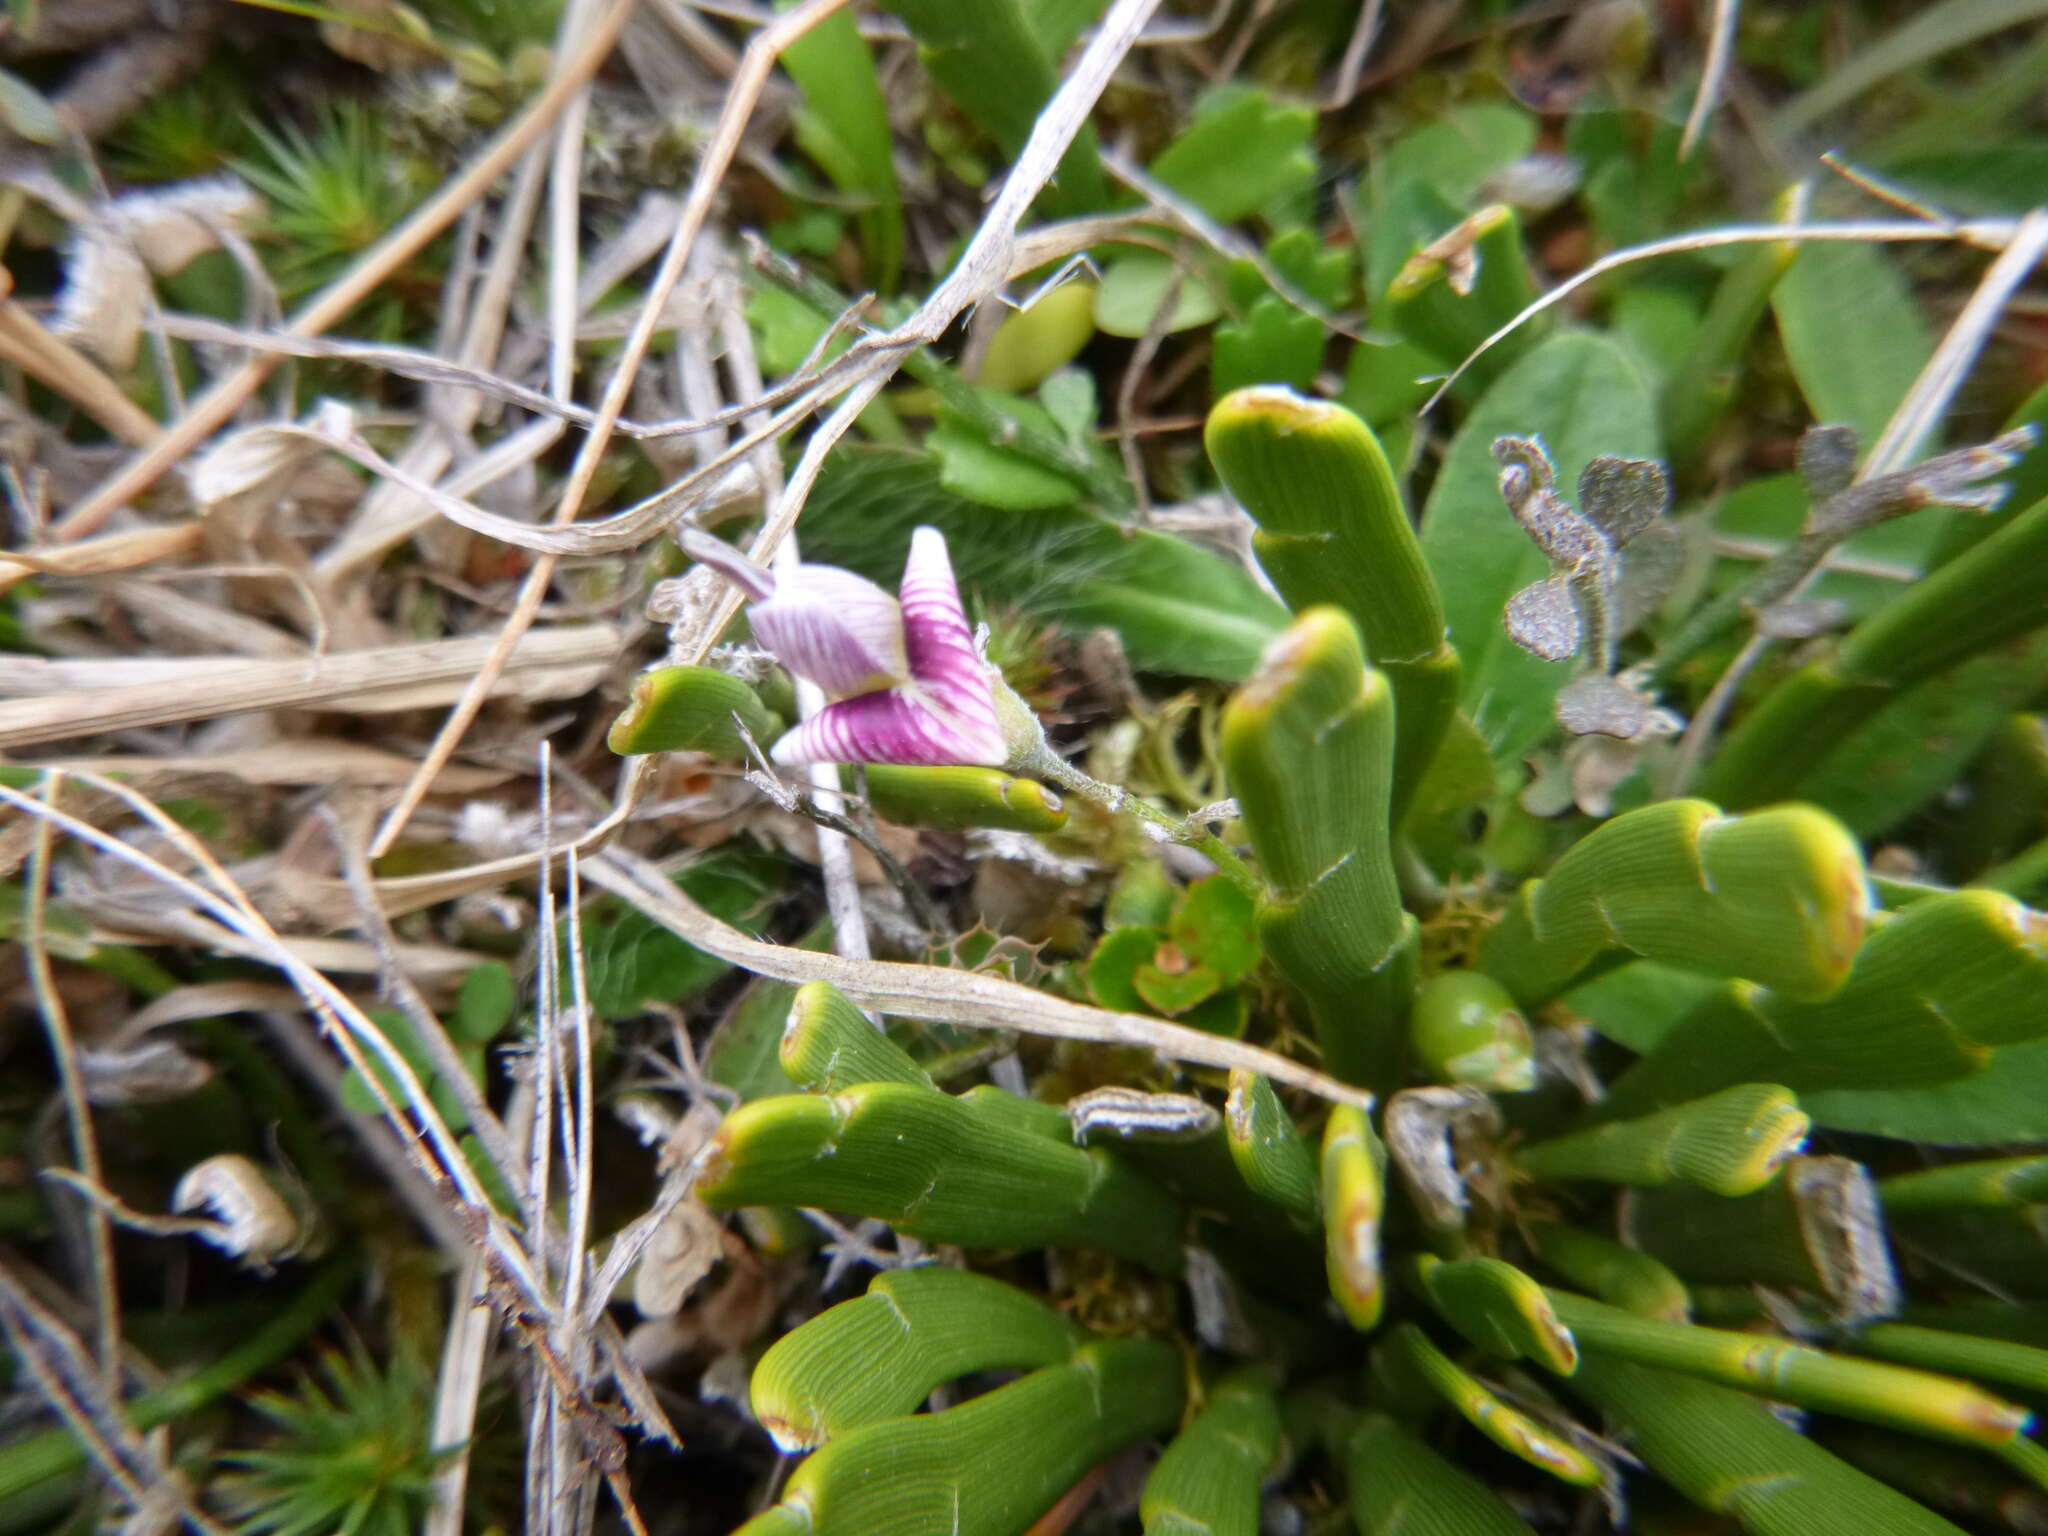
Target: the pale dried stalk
(1713, 75)
(217, 406)
(761, 53)
(973, 999)
(85, 1146)
(53, 361)
(97, 557)
(382, 679)
(1985, 234)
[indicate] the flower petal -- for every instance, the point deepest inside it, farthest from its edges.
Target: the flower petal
(888, 727)
(949, 676)
(839, 630)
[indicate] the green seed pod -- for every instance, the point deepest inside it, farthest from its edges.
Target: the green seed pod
(1466, 1030)
(691, 709)
(953, 799)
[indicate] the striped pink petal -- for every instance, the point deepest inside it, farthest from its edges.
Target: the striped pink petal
(839, 630)
(944, 714)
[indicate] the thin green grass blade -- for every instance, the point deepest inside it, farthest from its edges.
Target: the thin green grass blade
(843, 124)
(1957, 1354)
(881, 1355)
(1993, 1181)
(1876, 1393)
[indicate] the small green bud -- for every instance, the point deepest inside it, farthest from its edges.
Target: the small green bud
(1467, 1031)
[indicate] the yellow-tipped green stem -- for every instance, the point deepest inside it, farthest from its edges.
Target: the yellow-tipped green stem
(1625, 1277)
(1268, 1148)
(1877, 1393)
(913, 1331)
(691, 709)
(828, 1044)
(1729, 1143)
(1354, 1200)
(1332, 529)
(1510, 1429)
(992, 1465)
(1778, 897)
(979, 1170)
(954, 799)
(1498, 1309)
(2014, 1365)
(1994, 1181)
(1308, 745)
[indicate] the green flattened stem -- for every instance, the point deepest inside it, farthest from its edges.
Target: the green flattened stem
(1934, 989)
(880, 1356)
(1728, 1143)
(1308, 746)
(1994, 1181)
(1779, 897)
(1948, 1477)
(1400, 1487)
(1354, 1187)
(691, 709)
(2023, 1366)
(1702, 382)
(1458, 290)
(1498, 1309)
(1877, 1393)
(954, 799)
(1509, 1428)
(1816, 1227)
(990, 1466)
(1466, 1030)
(828, 1044)
(1728, 1452)
(1208, 1480)
(1983, 597)
(1332, 529)
(1624, 1276)
(1269, 1149)
(973, 1170)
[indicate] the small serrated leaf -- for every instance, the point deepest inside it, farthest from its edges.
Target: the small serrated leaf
(1622, 497)
(1544, 620)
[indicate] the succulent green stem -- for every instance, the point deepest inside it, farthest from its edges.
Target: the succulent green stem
(1728, 1143)
(1513, 1431)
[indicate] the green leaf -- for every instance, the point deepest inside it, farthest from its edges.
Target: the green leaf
(631, 961)
(1177, 608)
(1242, 152)
(844, 126)
(1584, 397)
(1454, 152)
(1174, 992)
(1134, 289)
(2006, 1102)
(1213, 924)
(1853, 333)
(1111, 972)
(972, 466)
(486, 1003)
(1640, 1003)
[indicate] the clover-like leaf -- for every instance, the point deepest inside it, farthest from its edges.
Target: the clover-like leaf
(1543, 619)
(1622, 497)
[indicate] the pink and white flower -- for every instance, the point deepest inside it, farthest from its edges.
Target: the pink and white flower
(907, 682)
